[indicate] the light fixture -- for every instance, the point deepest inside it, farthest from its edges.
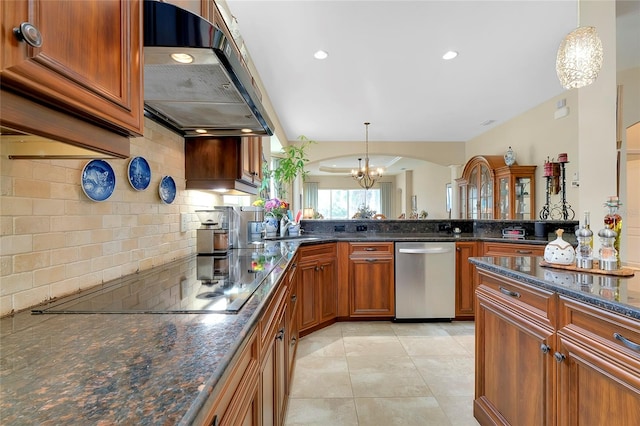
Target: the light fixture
(579, 58)
(449, 55)
(366, 176)
(320, 54)
(183, 58)
(308, 213)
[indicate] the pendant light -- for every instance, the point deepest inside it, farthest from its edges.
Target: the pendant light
(364, 175)
(579, 58)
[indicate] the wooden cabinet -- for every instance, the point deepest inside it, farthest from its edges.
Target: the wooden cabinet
(237, 401)
(545, 359)
(489, 189)
(466, 279)
(317, 286)
(514, 363)
(231, 163)
(511, 249)
(273, 374)
(88, 65)
(371, 280)
(598, 368)
(293, 321)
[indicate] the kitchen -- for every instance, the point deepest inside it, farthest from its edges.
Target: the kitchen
(55, 242)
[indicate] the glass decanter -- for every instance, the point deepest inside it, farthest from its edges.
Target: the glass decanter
(608, 253)
(613, 220)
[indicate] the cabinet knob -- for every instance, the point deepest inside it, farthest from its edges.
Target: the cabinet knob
(317, 268)
(280, 334)
(559, 357)
(28, 33)
(545, 348)
(458, 249)
(293, 341)
(294, 297)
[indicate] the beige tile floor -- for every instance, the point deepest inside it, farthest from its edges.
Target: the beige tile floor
(383, 373)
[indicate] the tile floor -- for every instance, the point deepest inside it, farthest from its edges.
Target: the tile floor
(383, 373)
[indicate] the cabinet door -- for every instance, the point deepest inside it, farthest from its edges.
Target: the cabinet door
(599, 368)
(308, 295)
(372, 287)
(251, 159)
(465, 279)
(514, 365)
(328, 289)
(273, 376)
(88, 62)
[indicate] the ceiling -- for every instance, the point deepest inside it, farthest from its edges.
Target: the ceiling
(385, 63)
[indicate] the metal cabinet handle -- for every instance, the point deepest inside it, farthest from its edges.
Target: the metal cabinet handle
(317, 268)
(280, 334)
(628, 343)
(370, 249)
(545, 348)
(524, 251)
(458, 249)
(293, 341)
(509, 292)
(214, 422)
(29, 34)
(371, 260)
(559, 357)
(294, 297)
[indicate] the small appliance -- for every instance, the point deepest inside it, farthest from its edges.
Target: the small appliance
(250, 227)
(217, 232)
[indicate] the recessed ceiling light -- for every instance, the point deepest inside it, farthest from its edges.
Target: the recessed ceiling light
(320, 54)
(449, 55)
(183, 58)
(486, 123)
(246, 130)
(201, 131)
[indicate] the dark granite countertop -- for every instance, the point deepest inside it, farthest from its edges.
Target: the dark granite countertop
(431, 237)
(617, 294)
(143, 369)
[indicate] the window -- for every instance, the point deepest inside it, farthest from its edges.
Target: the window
(344, 203)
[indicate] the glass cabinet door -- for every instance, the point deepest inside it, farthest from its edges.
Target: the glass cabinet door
(472, 195)
(522, 190)
(486, 194)
(503, 198)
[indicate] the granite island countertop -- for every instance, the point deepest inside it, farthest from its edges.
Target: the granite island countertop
(615, 293)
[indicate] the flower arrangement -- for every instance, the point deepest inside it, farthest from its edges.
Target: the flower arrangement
(273, 206)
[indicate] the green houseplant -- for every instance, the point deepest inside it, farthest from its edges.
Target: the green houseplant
(290, 165)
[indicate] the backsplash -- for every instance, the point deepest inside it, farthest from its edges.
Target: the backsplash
(55, 241)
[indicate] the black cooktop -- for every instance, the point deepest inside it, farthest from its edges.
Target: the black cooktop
(202, 284)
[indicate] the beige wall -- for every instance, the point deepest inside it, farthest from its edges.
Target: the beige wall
(56, 241)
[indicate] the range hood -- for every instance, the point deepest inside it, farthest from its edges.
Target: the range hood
(210, 92)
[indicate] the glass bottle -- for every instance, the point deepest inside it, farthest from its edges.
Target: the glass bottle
(584, 251)
(608, 253)
(587, 225)
(613, 220)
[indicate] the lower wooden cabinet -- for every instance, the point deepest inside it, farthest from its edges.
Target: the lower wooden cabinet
(238, 399)
(466, 279)
(371, 280)
(273, 374)
(513, 370)
(545, 359)
(598, 368)
(317, 285)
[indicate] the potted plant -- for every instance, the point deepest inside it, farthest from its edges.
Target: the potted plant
(290, 166)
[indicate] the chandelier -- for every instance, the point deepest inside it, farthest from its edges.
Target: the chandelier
(364, 175)
(579, 58)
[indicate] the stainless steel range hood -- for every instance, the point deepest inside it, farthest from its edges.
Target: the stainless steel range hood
(211, 89)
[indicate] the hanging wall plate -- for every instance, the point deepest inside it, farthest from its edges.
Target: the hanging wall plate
(167, 189)
(98, 180)
(139, 173)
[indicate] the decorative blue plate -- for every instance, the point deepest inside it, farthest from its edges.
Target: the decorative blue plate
(139, 173)
(167, 189)
(98, 180)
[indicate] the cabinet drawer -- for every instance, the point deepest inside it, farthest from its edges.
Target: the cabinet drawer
(512, 249)
(317, 250)
(371, 249)
(537, 303)
(607, 329)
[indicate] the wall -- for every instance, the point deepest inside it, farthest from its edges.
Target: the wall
(55, 241)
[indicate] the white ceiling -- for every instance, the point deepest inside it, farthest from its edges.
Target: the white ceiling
(385, 63)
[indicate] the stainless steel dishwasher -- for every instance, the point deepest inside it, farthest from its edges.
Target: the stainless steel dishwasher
(425, 280)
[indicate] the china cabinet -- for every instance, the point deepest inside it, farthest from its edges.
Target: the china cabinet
(489, 189)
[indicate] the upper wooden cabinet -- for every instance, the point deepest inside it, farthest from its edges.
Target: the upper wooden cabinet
(231, 163)
(489, 189)
(88, 63)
